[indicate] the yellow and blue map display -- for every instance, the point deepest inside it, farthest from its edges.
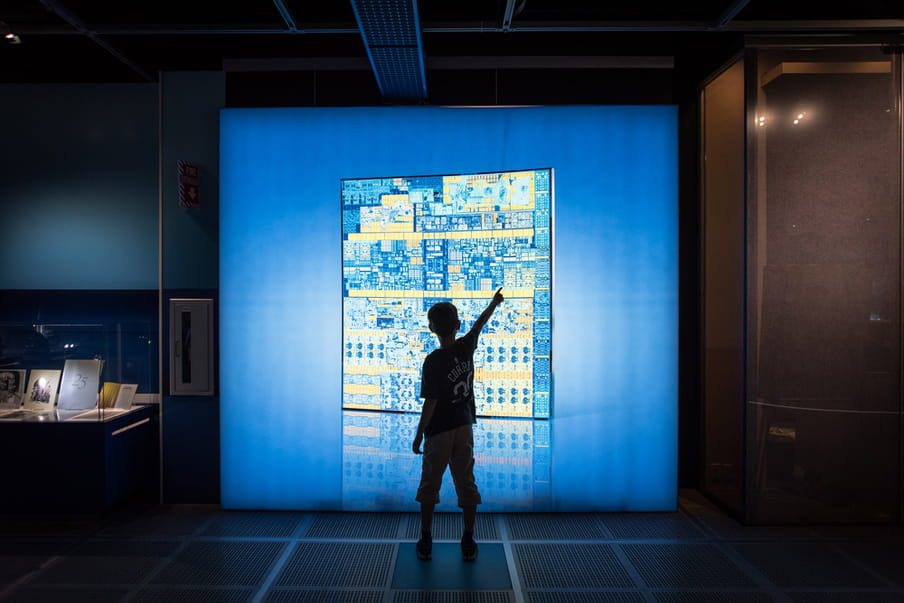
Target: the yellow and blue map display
(409, 242)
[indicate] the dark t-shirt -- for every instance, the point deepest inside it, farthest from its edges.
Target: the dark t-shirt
(448, 376)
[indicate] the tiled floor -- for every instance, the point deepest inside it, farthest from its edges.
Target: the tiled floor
(204, 554)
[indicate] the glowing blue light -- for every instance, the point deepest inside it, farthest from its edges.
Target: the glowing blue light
(612, 440)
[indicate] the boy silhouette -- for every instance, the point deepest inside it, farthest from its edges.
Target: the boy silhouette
(447, 386)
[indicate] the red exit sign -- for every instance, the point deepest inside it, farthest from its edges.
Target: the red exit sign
(189, 184)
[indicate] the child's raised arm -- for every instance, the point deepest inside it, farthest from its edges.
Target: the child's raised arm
(485, 316)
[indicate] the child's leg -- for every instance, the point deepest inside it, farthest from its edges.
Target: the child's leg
(433, 465)
(427, 517)
(424, 546)
(437, 449)
(461, 465)
(469, 515)
(468, 544)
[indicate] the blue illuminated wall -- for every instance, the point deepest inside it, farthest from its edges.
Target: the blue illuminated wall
(611, 440)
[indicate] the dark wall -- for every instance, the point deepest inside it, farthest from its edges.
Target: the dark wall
(457, 87)
(190, 425)
(78, 167)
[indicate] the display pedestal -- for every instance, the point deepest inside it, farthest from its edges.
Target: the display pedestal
(79, 466)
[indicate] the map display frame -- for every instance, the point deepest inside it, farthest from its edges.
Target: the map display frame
(411, 241)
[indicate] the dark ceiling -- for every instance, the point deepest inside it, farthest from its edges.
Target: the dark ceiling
(132, 41)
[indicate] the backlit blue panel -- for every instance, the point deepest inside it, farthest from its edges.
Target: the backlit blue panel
(610, 442)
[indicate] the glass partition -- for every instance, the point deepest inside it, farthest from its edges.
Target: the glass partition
(824, 286)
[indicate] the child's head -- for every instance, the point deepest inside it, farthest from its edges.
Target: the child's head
(443, 317)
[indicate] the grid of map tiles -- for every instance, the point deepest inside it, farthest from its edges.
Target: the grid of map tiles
(410, 242)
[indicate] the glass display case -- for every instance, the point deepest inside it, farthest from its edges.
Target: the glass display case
(75, 371)
(824, 285)
(802, 236)
(78, 392)
(76, 356)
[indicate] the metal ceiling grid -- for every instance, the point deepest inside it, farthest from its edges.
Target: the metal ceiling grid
(391, 33)
(135, 41)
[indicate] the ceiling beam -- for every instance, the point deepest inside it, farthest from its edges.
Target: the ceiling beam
(508, 15)
(81, 28)
(836, 25)
(190, 30)
(286, 15)
(469, 27)
(831, 25)
(452, 63)
(730, 13)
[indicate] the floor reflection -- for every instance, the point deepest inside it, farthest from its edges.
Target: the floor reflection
(381, 473)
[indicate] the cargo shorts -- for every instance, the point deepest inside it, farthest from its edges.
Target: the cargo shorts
(454, 448)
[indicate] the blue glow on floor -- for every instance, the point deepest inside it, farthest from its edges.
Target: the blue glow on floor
(447, 571)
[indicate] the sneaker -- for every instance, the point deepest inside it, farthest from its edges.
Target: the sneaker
(468, 549)
(425, 549)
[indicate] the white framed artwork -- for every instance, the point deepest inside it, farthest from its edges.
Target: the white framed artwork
(12, 388)
(125, 396)
(41, 391)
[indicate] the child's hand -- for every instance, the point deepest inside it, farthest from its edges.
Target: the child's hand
(497, 298)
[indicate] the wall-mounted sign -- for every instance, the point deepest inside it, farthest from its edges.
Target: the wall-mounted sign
(189, 184)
